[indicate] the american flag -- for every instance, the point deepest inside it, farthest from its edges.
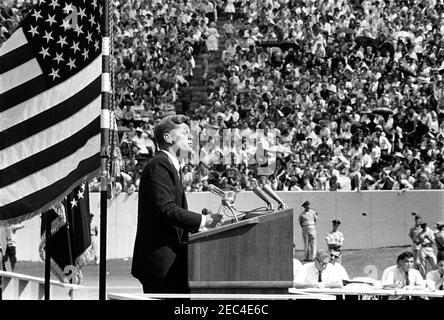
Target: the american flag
(50, 100)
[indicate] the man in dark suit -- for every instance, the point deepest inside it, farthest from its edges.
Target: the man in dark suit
(160, 259)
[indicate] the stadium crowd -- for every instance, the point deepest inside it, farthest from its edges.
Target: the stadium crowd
(346, 95)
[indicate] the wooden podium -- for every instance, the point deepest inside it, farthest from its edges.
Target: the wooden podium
(250, 256)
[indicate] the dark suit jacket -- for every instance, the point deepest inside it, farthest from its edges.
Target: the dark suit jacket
(163, 221)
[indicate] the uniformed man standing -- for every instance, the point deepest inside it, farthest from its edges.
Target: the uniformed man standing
(427, 239)
(335, 239)
(414, 235)
(439, 237)
(307, 220)
(94, 231)
(10, 251)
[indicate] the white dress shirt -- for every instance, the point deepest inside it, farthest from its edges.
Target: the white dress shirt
(308, 275)
(434, 276)
(395, 276)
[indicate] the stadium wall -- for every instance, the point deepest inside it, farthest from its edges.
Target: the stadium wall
(370, 219)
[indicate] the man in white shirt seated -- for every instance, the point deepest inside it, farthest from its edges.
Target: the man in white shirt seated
(335, 261)
(297, 265)
(318, 274)
(436, 277)
(402, 275)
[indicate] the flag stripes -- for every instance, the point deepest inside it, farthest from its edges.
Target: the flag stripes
(57, 152)
(21, 111)
(15, 58)
(16, 40)
(23, 92)
(50, 102)
(49, 117)
(23, 73)
(26, 205)
(50, 174)
(50, 136)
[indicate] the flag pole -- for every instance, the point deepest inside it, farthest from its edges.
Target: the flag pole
(70, 253)
(104, 144)
(47, 255)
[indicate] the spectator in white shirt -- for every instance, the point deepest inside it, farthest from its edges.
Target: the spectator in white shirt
(318, 274)
(402, 275)
(335, 261)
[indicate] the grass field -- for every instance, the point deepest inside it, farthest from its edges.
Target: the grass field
(358, 263)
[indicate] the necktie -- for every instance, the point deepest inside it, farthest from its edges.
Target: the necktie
(407, 281)
(319, 276)
(441, 287)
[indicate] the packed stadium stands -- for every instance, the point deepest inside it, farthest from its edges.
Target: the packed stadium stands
(346, 95)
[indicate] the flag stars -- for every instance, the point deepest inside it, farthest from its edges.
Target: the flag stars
(75, 46)
(51, 19)
(82, 13)
(71, 63)
(78, 29)
(65, 24)
(33, 31)
(68, 8)
(54, 4)
(94, 4)
(100, 10)
(37, 15)
(98, 28)
(85, 54)
(48, 36)
(96, 45)
(91, 20)
(80, 194)
(58, 58)
(44, 52)
(73, 203)
(54, 74)
(88, 37)
(42, 1)
(62, 41)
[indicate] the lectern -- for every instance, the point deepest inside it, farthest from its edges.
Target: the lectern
(254, 255)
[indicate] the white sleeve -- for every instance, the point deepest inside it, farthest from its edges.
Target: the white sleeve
(387, 278)
(202, 223)
(301, 275)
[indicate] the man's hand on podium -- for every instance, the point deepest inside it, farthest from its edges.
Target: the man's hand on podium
(213, 219)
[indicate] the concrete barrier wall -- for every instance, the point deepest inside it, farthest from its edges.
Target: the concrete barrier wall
(370, 219)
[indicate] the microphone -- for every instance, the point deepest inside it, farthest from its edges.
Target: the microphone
(262, 195)
(215, 190)
(274, 196)
(227, 198)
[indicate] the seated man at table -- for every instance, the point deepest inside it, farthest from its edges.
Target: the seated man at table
(318, 274)
(402, 275)
(436, 277)
(335, 261)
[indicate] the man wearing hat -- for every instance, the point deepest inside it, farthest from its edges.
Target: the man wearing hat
(94, 231)
(335, 239)
(426, 241)
(307, 221)
(439, 237)
(414, 235)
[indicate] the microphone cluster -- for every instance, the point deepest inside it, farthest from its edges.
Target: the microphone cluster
(266, 192)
